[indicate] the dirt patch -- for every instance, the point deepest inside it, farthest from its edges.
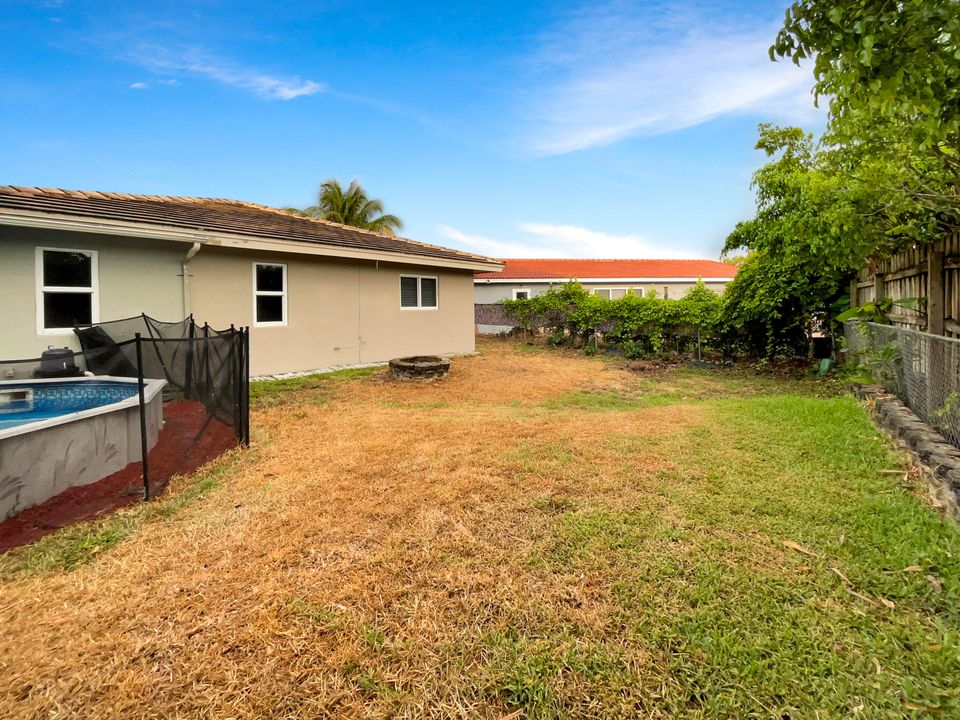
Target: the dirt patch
(189, 439)
(650, 367)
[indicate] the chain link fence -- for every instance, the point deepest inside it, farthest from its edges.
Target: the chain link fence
(921, 369)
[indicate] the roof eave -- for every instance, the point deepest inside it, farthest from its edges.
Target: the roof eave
(52, 221)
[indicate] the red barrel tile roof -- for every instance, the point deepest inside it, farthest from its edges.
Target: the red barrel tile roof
(537, 269)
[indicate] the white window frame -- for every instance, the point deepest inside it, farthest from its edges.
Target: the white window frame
(610, 290)
(419, 306)
(519, 290)
(270, 293)
(93, 290)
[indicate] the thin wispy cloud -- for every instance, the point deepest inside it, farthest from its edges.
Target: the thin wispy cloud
(160, 59)
(546, 240)
(613, 72)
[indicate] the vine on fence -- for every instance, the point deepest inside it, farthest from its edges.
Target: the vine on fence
(642, 325)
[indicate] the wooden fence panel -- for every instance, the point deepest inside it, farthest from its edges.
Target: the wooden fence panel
(907, 275)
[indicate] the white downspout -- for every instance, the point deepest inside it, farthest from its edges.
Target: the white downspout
(184, 270)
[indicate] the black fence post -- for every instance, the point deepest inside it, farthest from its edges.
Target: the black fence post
(206, 365)
(143, 419)
(246, 387)
(235, 376)
(188, 380)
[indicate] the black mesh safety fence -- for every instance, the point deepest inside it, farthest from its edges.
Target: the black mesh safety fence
(921, 369)
(159, 399)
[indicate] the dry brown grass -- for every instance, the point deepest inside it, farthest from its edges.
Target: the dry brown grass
(406, 550)
(362, 546)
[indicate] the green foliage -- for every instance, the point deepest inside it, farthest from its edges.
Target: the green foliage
(891, 72)
(877, 311)
(882, 178)
(644, 325)
(878, 362)
(804, 243)
(353, 207)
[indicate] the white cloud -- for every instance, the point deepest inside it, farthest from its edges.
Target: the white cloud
(270, 87)
(613, 72)
(139, 86)
(545, 240)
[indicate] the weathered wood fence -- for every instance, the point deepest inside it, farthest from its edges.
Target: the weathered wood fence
(930, 273)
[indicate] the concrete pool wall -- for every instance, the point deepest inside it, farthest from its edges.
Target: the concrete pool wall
(41, 459)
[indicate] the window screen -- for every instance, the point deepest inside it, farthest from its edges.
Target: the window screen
(417, 292)
(270, 294)
(408, 292)
(67, 269)
(428, 292)
(67, 296)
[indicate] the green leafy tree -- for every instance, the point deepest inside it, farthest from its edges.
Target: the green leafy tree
(803, 243)
(353, 207)
(891, 71)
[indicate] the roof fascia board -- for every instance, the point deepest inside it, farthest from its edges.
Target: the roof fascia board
(217, 239)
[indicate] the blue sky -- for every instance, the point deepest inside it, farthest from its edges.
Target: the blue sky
(561, 129)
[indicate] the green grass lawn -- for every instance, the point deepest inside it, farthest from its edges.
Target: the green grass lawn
(747, 626)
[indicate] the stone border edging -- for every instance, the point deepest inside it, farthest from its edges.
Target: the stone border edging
(938, 460)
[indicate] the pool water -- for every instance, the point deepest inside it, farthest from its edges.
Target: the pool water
(53, 399)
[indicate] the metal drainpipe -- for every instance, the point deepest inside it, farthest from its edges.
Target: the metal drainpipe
(184, 266)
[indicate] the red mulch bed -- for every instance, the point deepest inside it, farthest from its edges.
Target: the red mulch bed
(190, 438)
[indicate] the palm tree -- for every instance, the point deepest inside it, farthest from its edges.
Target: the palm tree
(352, 207)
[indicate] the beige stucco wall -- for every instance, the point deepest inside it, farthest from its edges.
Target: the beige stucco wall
(494, 292)
(338, 312)
(387, 331)
(134, 276)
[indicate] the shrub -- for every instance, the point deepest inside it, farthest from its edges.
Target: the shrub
(642, 325)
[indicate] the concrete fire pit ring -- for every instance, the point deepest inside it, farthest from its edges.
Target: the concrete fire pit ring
(419, 367)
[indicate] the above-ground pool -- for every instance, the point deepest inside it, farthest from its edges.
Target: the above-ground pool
(58, 433)
(22, 403)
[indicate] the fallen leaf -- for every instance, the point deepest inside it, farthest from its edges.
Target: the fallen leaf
(889, 604)
(912, 568)
(799, 548)
(935, 584)
(843, 538)
(876, 664)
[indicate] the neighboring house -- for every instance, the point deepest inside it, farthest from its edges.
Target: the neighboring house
(607, 278)
(314, 293)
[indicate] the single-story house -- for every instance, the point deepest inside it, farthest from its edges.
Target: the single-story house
(612, 279)
(315, 294)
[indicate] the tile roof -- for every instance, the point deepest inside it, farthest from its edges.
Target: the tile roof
(536, 269)
(217, 215)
